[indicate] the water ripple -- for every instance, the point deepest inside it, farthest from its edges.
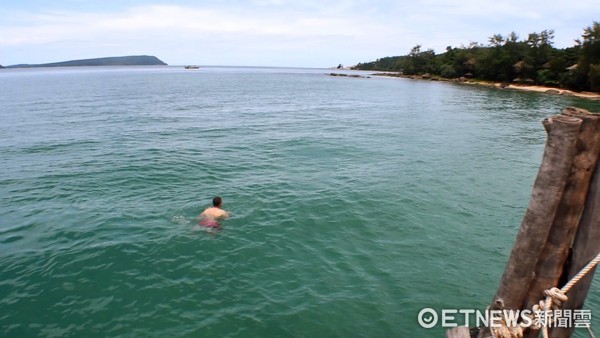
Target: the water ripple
(354, 203)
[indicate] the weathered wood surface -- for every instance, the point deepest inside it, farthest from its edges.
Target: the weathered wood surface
(563, 214)
(585, 247)
(547, 192)
(550, 266)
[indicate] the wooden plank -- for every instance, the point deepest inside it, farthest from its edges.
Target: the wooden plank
(547, 192)
(585, 248)
(545, 198)
(556, 250)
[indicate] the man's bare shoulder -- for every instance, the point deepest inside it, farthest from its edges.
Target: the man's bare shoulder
(213, 212)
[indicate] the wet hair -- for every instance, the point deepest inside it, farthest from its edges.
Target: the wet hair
(217, 201)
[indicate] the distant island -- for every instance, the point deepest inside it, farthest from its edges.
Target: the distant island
(134, 60)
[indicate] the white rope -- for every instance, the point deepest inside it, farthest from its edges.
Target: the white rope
(591, 332)
(591, 265)
(557, 296)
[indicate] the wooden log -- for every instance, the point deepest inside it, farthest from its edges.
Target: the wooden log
(552, 260)
(547, 192)
(585, 248)
(546, 195)
(458, 332)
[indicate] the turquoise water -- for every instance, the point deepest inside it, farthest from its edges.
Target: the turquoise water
(355, 202)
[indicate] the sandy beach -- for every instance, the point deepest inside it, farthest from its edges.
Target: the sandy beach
(528, 88)
(539, 89)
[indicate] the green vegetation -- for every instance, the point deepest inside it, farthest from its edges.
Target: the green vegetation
(507, 59)
(136, 60)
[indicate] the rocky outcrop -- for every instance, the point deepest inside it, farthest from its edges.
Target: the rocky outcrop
(349, 75)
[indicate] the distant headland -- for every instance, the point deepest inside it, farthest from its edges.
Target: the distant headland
(134, 60)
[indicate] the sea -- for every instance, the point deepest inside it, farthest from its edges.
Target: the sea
(355, 202)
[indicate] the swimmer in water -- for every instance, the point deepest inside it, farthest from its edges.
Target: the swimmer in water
(210, 216)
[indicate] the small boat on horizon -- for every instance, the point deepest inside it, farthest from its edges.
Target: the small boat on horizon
(192, 67)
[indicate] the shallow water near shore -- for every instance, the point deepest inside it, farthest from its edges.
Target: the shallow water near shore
(356, 202)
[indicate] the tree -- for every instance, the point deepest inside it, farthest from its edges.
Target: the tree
(590, 48)
(412, 63)
(496, 40)
(590, 55)
(415, 59)
(594, 77)
(506, 58)
(448, 71)
(538, 53)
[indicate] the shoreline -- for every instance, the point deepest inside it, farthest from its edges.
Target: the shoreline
(498, 85)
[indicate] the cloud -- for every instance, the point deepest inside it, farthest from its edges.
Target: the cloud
(166, 24)
(58, 26)
(278, 32)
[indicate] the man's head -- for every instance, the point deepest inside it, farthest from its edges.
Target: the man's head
(217, 201)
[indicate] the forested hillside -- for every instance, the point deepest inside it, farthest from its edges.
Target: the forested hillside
(509, 59)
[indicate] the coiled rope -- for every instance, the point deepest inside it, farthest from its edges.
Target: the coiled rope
(556, 296)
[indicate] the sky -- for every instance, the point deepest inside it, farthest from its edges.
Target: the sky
(280, 33)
